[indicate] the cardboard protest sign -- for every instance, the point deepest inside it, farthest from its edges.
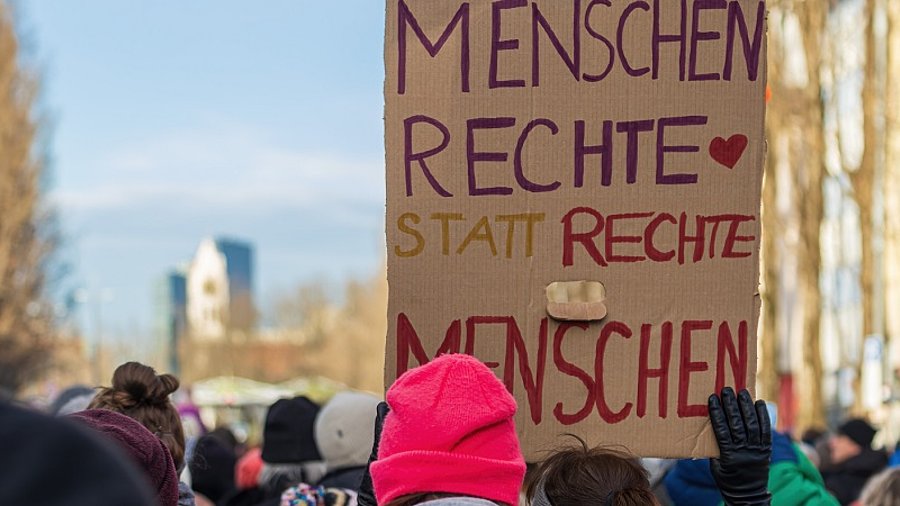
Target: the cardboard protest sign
(573, 196)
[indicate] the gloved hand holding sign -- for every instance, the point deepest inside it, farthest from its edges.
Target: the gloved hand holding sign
(744, 434)
(366, 491)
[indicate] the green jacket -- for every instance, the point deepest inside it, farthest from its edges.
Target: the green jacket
(798, 483)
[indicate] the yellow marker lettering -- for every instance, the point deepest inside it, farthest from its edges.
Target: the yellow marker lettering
(445, 219)
(481, 232)
(402, 225)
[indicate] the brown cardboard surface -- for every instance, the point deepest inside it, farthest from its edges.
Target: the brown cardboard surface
(530, 142)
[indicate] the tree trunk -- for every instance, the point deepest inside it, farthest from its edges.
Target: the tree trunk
(771, 258)
(772, 233)
(809, 165)
(26, 232)
(863, 182)
(892, 182)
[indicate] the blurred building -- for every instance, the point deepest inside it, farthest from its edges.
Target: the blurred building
(220, 291)
(171, 318)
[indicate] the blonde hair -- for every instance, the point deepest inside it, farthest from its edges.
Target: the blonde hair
(883, 489)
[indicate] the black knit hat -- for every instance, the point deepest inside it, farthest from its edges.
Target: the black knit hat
(212, 468)
(289, 435)
(859, 431)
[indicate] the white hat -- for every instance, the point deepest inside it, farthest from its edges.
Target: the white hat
(345, 429)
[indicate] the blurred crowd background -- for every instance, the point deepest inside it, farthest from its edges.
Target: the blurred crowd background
(200, 187)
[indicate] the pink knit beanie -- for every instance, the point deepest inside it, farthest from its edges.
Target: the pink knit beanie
(450, 430)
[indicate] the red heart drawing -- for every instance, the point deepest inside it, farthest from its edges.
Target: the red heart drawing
(729, 152)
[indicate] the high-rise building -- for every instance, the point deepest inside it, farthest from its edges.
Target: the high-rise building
(171, 304)
(220, 290)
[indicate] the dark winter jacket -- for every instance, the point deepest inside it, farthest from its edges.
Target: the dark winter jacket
(347, 478)
(690, 483)
(793, 481)
(846, 480)
(248, 497)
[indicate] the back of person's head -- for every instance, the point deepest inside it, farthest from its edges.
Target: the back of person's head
(138, 392)
(812, 436)
(226, 437)
(576, 475)
(212, 468)
(344, 430)
(289, 433)
(883, 489)
(53, 462)
(289, 450)
(859, 431)
(450, 431)
(144, 448)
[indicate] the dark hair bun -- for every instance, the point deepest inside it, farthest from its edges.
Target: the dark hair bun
(139, 393)
(134, 383)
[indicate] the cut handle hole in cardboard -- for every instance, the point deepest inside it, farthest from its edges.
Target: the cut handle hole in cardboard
(576, 300)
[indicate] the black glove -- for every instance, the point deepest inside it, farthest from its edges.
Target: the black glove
(366, 491)
(744, 434)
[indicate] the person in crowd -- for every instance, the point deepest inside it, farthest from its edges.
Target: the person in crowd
(191, 424)
(190, 413)
(658, 470)
(71, 400)
(76, 404)
(814, 444)
(812, 436)
(690, 482)
(145, 449)
(138, 392)
(576, 474)
(446, 437)
(894, 460)
(852, 460)
(882, 490)
(793, 480)
(247, 469)
(227, 438)
(307, 495)
(344, 437)
(289, 453)
(49, 461)
(449, 439)
(212, 468)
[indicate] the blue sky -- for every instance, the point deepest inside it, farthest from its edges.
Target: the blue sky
(177, 120)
